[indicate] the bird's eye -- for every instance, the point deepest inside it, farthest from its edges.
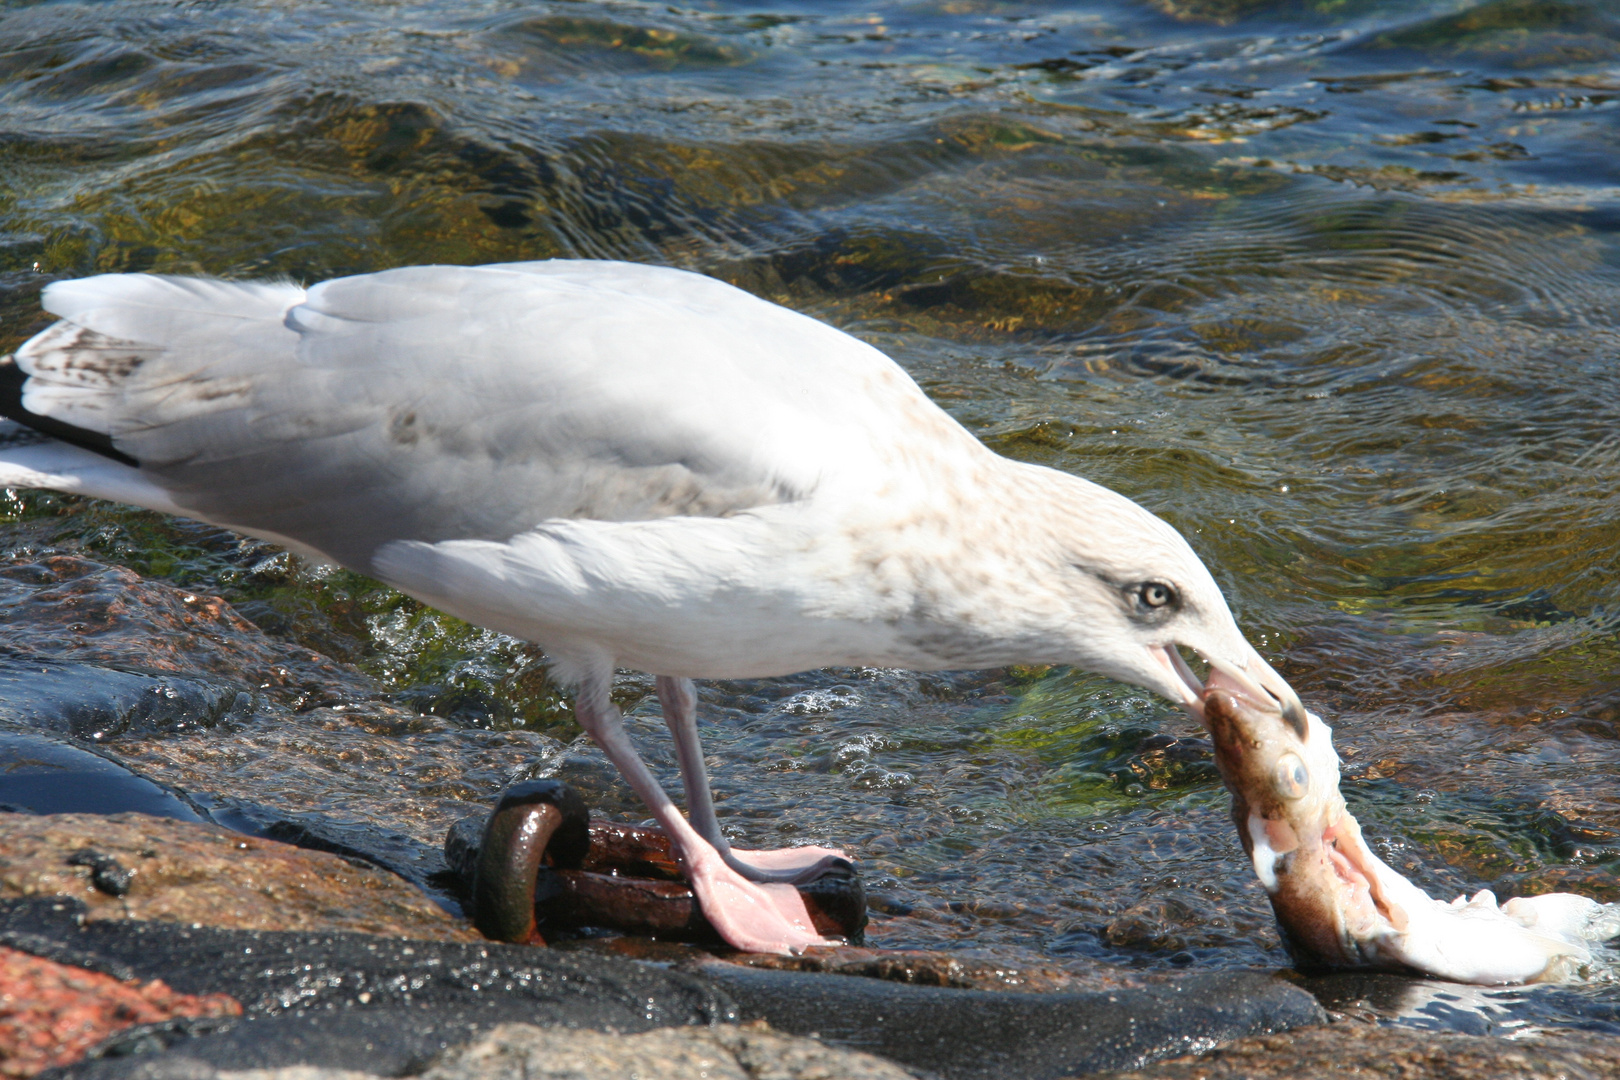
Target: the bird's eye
(1156, 596)
(1292, 780)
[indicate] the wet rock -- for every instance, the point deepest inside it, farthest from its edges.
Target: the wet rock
(524, 1052)
(372, 781)
(87, 701)
(51, 1014)
(131, 866)
(106, 873)
(527, 1052)
(75, 609)
(962, 970)
(980, 1035)
(43, 775)
(380, 1005)
(1354, 1051)
(386, 849)
(1159, 923)
(183, 1068)
(347, 1001)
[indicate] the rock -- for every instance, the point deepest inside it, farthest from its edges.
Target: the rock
(1359, 1051)
(51, 1013)
(994, 1035)
(189, 1069)
(345, 1000)
(371, 781)
(74, 609)
(360, 1002)
(525, 1052)
(96, 651)
(963, 970)
(87, 701)
(131, 866)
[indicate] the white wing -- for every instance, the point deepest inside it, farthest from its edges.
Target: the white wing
(436, 403)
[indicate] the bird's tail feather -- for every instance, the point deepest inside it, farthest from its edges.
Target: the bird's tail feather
(90, 379)
(30, 458)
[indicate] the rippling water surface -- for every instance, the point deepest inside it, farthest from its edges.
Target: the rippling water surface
(1333, 285)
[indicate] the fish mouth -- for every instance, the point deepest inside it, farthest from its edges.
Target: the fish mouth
(1360, 875)
(1329, 895)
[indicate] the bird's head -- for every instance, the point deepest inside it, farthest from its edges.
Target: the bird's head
(1139, 592)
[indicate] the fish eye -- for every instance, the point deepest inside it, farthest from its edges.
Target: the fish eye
(1291, 779)
(1157, 596)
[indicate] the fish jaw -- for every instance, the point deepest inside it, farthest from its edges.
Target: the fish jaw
(1340, 905)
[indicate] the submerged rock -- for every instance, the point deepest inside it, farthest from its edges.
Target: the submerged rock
(87, 701)
(131, 866)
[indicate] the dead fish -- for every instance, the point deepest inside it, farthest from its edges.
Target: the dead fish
(1339, 904)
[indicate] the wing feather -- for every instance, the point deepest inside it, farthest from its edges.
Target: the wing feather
(439, 403)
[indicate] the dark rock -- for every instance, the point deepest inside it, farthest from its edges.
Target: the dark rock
(979, 1035)
(360, 1002)
(106, 873)
(356, 1001)
(395, 852)
(461, 846)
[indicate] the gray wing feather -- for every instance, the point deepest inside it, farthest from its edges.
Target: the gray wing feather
(435, 403)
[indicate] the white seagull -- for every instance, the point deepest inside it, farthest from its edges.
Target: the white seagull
(627, 465)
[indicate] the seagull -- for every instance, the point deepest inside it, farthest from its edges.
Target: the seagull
(630, 466)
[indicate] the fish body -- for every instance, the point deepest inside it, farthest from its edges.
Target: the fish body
(1339, 904)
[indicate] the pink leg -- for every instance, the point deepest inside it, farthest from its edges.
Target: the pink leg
(679, 700)
(750, 916)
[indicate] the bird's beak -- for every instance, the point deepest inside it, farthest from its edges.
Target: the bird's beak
(1248, 675)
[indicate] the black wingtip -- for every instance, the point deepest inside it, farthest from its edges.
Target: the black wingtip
(12, 381)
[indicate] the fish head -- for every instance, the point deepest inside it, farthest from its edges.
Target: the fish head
(1325, 886)
(1338, 903)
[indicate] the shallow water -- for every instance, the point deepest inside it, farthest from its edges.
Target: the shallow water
(1334, 285)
